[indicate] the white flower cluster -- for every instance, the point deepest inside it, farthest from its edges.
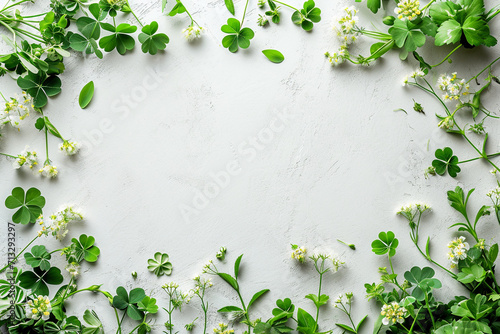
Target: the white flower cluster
(393, 313)
(299, 253)
(16, 110)
(49, 171)
(201, 284)
(26, 158)
(494, 194)
(343, 299)
(409, 211)
(418, 73)
(458, 250)
(74, 269)
(345, 26)
(37, 308)
(455, 89)
(57, 224)
(408, 10)
(192, 32)
(446, 123)
(69, 147)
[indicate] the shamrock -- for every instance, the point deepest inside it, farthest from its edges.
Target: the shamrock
(238, 37)
(30, 205)
(446, 161)
(160, 265)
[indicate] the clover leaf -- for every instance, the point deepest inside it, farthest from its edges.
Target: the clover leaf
(237, 37)
(424, 280)
(177, 9)
(307, 16)
(446, 161)
(160, 264)
(40, 86)
(68, 325)
(150, 41)
(476, 308)
(148, 304)
(38, 279)
(94, 323)
(84, 44)
(30, 205)
(84, 248)
(128, 302)
(407, 34)
(119, 39)
(386, 243)
(374, 5)
(469, 275)
(274, 12)
(39, 257)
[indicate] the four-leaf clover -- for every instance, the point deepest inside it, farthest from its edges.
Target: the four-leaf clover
(160, 264)
(237, 37)
(446, 161)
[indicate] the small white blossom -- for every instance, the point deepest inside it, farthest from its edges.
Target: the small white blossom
(70, 147)
(16, 110)
(74, 269)
(455, 89)
(446, 123)
(299, 253)
(49, 171)
(26, 158)
(192, 32)
(458, 250)
(345, 26)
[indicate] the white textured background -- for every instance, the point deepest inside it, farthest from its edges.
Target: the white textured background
(340, 164)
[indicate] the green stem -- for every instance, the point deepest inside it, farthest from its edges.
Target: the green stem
(448, 56)
(319, 296)
(287, 5)
(8, 155)
(427, 6)
(244, 13)
(243, 303)
(484, 69)
(14, 4)
(427, 306)
(22, 251)
(47, 161)
(191, 17)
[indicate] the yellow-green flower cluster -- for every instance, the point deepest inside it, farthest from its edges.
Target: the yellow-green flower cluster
(16, 110)
(192, 32)
(299, 253)
(345, 26)
(393, 313)
(49, 171)
(458, 250)
(26, 158)
(408, 10)
(57, 224)
(223, 329)
(38, 308)
(69, 147)
(446, 123)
